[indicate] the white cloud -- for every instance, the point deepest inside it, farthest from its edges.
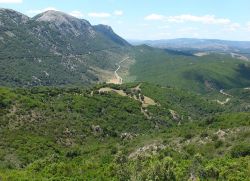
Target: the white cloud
(206, 19)
(11, 1)
(76, 14)
(38, 11)
(154, 17)
(118, 13)
(99, 15)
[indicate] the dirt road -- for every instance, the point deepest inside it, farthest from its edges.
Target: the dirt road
(118, 79)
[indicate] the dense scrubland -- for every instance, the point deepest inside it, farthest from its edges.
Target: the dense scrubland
(84, 134)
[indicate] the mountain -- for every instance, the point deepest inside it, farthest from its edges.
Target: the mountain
(136, 131)
(57, 49)
(10, 17)
(54, 48)
(107, 30)
(199, 45)
(184, 114)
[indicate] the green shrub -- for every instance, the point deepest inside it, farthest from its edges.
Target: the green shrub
(240, 150)
(211, 172)
(73, 153)
(204, 134)
(218, 143)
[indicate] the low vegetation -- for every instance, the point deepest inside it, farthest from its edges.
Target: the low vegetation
(84, 134)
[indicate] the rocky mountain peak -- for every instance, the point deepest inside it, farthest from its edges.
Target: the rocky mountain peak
(65, 23)
(59, 18)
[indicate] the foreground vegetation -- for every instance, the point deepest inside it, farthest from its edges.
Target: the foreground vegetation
(84, 134)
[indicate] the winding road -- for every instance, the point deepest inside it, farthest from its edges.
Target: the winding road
(118, 79)
(225, 94)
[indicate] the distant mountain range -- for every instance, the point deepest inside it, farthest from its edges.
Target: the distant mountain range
(182, 111)
(54, 48)
(198, 44)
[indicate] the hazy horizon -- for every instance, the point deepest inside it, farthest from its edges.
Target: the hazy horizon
(186, 38)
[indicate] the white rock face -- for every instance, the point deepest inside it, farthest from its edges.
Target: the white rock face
(64, 21)
(53, 16)
(60, 18)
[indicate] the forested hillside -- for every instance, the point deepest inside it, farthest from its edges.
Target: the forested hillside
(54, 48)
(209, 72)
(134, 131)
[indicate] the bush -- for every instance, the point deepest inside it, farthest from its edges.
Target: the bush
(215, 137)
(204, 134)
(73, 153)
(211, 172)
(188, 136)
(240, 150)
(113, 150)
(218, 143)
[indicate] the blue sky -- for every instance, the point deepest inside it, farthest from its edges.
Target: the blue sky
(154, 19)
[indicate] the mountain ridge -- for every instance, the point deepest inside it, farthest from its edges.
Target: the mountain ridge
(54, 48)
(197, 44)
(60, 42)
(23, 17)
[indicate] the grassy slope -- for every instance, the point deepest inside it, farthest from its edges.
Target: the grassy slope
(46, 133)
(189, 72)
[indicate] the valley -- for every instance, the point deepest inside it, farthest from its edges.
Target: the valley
(79, 102)
(93, 53)
(117, 79)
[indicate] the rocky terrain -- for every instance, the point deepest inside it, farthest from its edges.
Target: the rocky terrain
(70, 50)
